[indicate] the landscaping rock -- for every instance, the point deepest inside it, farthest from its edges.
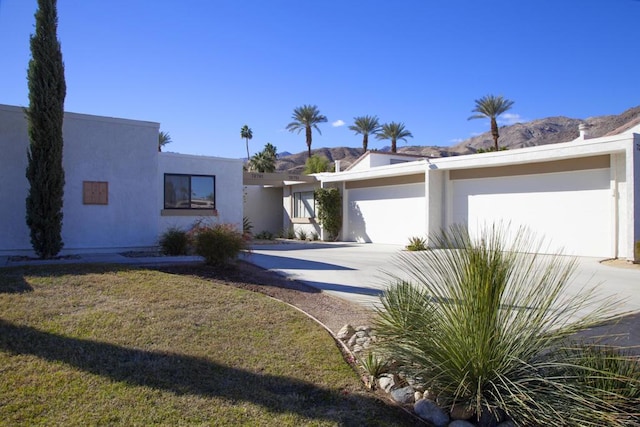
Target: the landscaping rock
(352, 341)
(429, 411)
(507, 424)
(461, 412)
(345, 332)
(403, 395)
(417, 396)
(386, 382)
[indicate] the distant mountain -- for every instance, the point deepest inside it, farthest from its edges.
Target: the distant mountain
(551, 130)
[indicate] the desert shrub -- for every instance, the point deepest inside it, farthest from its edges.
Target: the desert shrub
(264, 235)
(373, 365)
(174, 241)
(486, 324)
(314, 236)
(288, 233)
(247, 227)
(611, 375)
(218, 244)
(301, 234)
(417, 244)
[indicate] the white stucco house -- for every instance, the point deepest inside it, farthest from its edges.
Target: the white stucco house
(583, 196)
(120, 192)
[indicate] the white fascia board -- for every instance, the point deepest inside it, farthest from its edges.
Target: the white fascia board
(541, 153)
(378, 172)
(170, 154)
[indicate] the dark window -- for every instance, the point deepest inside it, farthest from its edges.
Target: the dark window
(189, 191)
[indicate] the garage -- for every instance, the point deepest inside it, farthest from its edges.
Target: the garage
(568, 203)
(385, 213)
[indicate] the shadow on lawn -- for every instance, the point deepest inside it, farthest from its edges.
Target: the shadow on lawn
(182, 374)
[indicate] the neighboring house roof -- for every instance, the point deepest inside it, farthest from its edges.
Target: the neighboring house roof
(410, 157)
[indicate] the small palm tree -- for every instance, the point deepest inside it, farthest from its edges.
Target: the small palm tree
(365, 126)
(490, 107)
(163, 139)
(393, 131)
(306, 117)
(264, 161)
(247, 134)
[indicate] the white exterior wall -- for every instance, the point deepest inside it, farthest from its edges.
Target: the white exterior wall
(263, 207)
(118, 151)
(228, 190)
(620, 225)
(633, 207)
(435, 181)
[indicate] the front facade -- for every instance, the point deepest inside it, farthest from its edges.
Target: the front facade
(582, 196)
(114, 185)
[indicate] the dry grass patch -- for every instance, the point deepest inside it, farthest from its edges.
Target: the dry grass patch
(88, 345)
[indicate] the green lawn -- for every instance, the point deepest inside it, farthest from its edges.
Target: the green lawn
(104, 345)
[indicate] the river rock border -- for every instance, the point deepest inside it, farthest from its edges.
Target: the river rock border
(406, 391)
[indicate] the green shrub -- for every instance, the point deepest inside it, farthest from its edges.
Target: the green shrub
(484, 322)
(607, 373)
(417, 244)
(218, 244)
(288, 233)
(301, 234)
(174, 241)
(264, 235)
(314, 236)
(329, 202)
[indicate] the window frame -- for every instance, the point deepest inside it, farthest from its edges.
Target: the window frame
(295, 199)
(190, 201)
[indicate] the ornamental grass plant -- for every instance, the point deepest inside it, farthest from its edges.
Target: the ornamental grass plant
(486, 322)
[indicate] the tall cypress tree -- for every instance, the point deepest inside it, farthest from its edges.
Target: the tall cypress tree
(47, 90)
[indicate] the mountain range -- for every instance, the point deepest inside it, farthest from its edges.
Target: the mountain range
(551, 130)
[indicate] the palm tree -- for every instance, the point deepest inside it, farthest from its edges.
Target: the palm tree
(365, 126)
(393, 131)
(264, 161)
(306, 117)
(163, 139)
(247, 134)
(490, 107)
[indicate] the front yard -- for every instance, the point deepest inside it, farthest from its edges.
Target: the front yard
(92, 345)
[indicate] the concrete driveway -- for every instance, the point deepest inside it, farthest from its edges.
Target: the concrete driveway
(357, 271)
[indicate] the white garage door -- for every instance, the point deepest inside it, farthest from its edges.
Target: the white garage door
(572, 210)
(389, 214)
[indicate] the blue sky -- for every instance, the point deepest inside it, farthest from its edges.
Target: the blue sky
(204, 68)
